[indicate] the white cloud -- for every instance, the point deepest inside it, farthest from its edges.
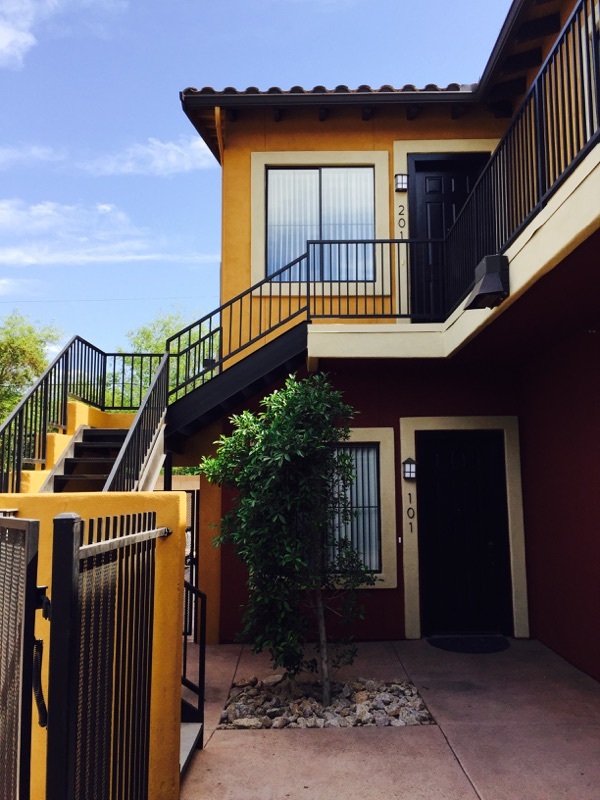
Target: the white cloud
(19, 19)
(49, 233)
(62, 221)
(29, 255)
(26, 155)
(154, 158)
(14, 286)
(14, 43)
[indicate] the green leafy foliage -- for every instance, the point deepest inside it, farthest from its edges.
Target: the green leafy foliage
(200, 346)
(152, 337)
(292, 490)
(23, 356)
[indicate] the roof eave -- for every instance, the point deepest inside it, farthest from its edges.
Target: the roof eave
(191, 99)
(510, 23)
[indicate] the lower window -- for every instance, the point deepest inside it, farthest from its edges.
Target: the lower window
(364, 529)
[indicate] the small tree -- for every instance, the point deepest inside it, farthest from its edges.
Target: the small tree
(292, 485)
(23, 356)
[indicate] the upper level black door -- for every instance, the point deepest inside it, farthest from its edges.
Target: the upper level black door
(463, 532)
(439, 184)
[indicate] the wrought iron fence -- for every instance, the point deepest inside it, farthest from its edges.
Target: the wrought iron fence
(137, 447)
(194, 657)
(101, 657)
(109, 381)
(384, 278)
(556, 125)
(18, 600)
(194, 624)
(374, 278)
(199, 351)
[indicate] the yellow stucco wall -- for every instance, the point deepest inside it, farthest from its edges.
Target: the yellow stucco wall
(300, 130)
(168, 611)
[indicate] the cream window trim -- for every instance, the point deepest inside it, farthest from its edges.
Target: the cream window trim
(388, 577)
(307, 158)
(410, 521)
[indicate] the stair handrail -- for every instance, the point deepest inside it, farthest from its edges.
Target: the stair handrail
(80, 370)
(199, 350)
(142, 435)
(23, 432)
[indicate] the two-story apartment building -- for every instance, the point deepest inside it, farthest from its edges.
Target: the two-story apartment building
(435, 251)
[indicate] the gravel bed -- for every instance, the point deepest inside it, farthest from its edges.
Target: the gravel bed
(277, 703)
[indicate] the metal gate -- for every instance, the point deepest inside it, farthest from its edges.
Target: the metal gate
(194, 624)
(18, 601)
(101, 657)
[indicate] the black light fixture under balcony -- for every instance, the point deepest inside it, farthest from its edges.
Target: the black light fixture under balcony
(491, 283)
(409, 469)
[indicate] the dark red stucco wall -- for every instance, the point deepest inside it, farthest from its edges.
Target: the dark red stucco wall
(382, 391)
(560, 447)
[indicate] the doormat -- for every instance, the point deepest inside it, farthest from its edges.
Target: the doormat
(470, 644)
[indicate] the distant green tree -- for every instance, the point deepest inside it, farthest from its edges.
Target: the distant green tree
(135, 374)
(152, 336)
(200, 349)
(23, 356)
(292, 485)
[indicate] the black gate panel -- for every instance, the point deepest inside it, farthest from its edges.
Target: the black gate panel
(101, 657)
(18, 600)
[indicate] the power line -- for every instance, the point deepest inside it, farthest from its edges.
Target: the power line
(98, 300)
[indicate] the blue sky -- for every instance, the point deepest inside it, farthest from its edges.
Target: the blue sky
(109, 201)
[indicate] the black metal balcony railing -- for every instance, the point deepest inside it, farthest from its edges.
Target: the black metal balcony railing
(555, 127)
(358, 279)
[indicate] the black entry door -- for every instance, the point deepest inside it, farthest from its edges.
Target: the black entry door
(439, 185)
(463, 532)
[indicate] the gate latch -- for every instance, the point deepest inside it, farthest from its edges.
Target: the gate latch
(43, 602)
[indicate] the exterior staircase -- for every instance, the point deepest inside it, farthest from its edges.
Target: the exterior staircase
(92, 461)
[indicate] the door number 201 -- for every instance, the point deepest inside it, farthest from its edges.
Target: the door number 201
(402, 217)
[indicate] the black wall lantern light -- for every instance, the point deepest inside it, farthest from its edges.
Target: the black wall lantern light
(401, 183)
(409, 469)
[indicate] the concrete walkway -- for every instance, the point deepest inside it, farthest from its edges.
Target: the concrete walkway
(517, 725)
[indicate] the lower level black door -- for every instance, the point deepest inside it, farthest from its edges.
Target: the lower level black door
(463, 532)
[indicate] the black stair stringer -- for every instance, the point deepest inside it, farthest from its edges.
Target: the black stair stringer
(220, 395)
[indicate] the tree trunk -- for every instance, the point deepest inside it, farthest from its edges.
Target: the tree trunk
(324, 660)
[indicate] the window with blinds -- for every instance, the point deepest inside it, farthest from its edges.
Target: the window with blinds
(364, 529)
(323, 204)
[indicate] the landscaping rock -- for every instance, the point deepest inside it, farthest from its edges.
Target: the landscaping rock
(276, 703)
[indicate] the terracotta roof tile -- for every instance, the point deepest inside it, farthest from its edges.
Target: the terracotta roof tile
(341, 89)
